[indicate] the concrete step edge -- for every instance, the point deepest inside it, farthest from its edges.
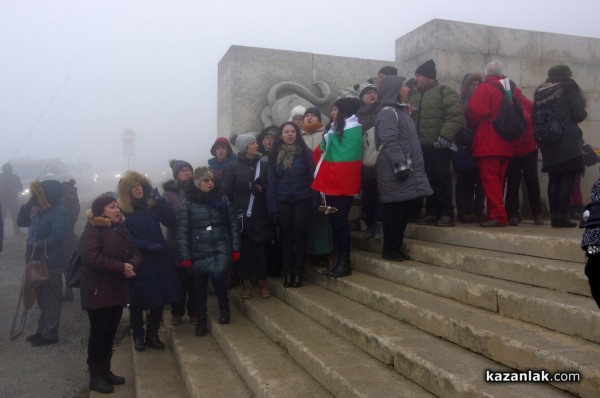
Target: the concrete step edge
(157, 373)
(520, 346)
(388, 340)
(206, 370)
(343, 369)
(542, 241)
(560, 275)
(570, 314)
(265, 367)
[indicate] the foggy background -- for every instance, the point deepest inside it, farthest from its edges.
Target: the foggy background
(74, 74)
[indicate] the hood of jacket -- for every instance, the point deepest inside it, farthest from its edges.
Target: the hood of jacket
(129, 180)
(194, 195)
(389, 90)
(48, 193)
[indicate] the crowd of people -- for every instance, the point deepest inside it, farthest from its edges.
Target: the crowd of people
(284, 200)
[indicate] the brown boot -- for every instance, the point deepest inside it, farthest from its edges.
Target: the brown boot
(246, 290)
(264, 290)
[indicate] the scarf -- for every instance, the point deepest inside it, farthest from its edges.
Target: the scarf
(286, 154)
(311, 128)
(548, 93)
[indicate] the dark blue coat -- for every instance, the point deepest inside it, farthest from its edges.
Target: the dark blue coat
(156, 283)
(463, 158)
(291, 185)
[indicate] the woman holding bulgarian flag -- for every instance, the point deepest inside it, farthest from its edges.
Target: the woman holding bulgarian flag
(337, 177)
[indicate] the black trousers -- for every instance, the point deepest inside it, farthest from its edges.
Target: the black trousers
(103, 327)
(340, 229)
(189, 301)
(395, 218)
(592, 271)
(437, 168)
(559, 190)
(136, 318)
(293, 220)
(469, 192)
(525, 166)
(219, 283)
(253, 257)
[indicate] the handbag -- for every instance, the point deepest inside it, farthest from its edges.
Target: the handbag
(36, 271)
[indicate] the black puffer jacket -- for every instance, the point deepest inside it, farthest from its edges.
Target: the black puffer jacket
(238, 185)
(564, 98)
(208, 231)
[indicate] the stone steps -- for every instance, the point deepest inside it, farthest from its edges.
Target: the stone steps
(538, 241)
(474, 300)
(157, 374)
(564, 312)
(342, 368)
(217, 378)
(422, 357)
(510, 342)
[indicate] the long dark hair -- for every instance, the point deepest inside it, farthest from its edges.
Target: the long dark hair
(299, 143)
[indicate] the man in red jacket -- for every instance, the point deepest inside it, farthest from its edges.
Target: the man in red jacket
(490, 150)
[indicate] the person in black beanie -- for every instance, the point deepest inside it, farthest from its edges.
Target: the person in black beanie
(563, 158)
(438, 115)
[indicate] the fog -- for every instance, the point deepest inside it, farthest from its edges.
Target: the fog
(75, 74)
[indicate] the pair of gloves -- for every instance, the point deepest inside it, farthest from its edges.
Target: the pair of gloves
(235, 256)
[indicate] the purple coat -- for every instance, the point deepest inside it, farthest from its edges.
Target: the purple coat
(104, 249)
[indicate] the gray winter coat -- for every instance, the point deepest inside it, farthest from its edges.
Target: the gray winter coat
(397, 138)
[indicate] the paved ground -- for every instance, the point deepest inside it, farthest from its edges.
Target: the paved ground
(54, 371)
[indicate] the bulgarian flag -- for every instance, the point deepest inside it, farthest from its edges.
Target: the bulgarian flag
(339, 162)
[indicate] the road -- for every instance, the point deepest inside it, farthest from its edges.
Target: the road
(53, 371)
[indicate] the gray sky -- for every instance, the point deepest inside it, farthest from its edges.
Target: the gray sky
(152, 65)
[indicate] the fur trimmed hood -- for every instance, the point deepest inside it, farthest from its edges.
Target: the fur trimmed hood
(99, 221)
(127, 182)
(47, 192)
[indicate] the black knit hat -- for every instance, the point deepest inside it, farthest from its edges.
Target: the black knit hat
(314, 111)
(100, 203)
(388, 71)
(427, 69)
(558, 71)
(177, 165)
(347, 106)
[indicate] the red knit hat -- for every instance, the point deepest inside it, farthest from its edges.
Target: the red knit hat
(220, 141)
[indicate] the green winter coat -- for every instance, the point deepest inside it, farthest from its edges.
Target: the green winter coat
(439, 112)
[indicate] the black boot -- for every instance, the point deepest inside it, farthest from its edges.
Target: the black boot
(202, 326)
(154, 342)
(224, 314)
(297, 281)
(343, 266)
(138, 344)
(563, 220)
(287, 280)
(98, 383)
(336, 259)
(110, 377)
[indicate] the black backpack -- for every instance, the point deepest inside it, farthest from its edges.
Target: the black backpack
(509, 122)
(546, 128)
